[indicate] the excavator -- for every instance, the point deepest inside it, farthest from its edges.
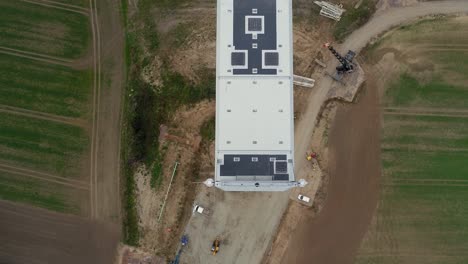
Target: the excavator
(347, 65)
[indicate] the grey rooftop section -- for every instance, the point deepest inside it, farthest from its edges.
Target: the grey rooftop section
(240, 166)
(254, 146)
(261, 35)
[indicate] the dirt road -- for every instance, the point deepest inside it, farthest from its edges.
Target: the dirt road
(336, 233)
(106, 150)
(32, 235)
(385, 20)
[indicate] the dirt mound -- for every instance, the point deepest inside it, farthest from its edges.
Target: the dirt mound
(354, 162)
(31, 235)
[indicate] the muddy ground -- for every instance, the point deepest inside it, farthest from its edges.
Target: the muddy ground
(354, 169)
(107, 189)
(32, 235)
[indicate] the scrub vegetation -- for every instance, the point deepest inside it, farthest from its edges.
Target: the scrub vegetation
(353, 18)
(147, 106)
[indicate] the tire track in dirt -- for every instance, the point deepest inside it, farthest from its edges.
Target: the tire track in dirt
(422, 48)
(18, 54)
(64, 4)
(44, 116)
(98, 73)
(68, 8)
(93, 136)
(43, 176)
(424, 114)
(35, 54)
(416, 147)
(75, 64)
(422, 109)
(96, 100)
(426, 184)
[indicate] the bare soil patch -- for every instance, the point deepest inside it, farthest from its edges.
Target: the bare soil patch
(108, 137)
(31, 235)
(182, 144)
(335, 233)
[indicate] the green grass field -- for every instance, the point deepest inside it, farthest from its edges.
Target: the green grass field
(42, 145)
(44, 87)
(45, 147)
(39, 193)
(35, 28)
(407, 91)
(422, 215)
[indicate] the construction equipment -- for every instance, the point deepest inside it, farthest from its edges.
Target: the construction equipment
(215, 246)
(310, 156)
(347, 65)
(330, 10)
(183, 241)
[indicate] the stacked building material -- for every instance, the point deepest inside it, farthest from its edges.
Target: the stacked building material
(330, 10)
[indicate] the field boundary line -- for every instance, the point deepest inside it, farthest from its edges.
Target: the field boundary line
(36, 54)
(57, 7)
(45, 177)
(66, 64)
(44, 116)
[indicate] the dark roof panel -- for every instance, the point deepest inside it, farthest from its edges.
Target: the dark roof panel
(254, 24)
(238, 59)
(254, 165)
(271, 59)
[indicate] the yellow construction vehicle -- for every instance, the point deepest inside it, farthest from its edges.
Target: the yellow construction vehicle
(215, 246)
(311, 155)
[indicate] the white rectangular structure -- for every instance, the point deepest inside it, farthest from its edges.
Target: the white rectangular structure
(254, 96)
